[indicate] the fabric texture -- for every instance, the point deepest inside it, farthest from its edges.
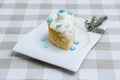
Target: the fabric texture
(18, 17)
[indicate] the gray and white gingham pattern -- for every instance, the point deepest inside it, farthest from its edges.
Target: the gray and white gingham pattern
(18, 17)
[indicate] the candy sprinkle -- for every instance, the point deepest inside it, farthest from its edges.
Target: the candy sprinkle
(67, 25)
(43, 39)
(72, 48)
(76, 42)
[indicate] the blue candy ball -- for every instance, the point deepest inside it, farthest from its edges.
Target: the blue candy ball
(58, 25)
(49, 20)
(46, 46)
(76, 42)
(62, 10)
(69, 12)
(72, 48)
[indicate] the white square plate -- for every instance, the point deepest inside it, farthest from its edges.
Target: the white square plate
(32, 46)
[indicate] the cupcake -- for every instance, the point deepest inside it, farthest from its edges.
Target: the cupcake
(61, 26)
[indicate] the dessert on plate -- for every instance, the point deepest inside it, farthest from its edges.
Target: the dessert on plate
(61, 26)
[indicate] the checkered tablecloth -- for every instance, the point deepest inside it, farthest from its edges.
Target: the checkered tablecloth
(18, 17)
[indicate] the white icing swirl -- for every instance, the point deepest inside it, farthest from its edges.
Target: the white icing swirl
(60, 15)
(68, 24)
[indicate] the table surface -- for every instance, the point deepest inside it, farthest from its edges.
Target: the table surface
(18, 17)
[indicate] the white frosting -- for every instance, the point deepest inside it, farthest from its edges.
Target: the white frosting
(68, 24)
(60, 15)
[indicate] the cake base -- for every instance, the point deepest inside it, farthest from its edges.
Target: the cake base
(56, 39)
